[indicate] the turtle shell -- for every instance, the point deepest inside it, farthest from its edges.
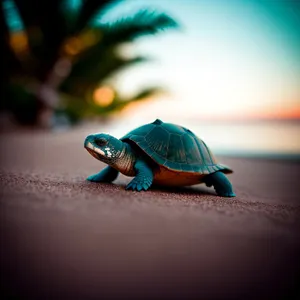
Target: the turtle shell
(175, 147)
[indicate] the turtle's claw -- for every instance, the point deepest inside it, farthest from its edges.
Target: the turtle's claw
(230, 195)
(137, 186)
(92, 178)
(130, 186)
(146, 186)
(97, 178)
(226, 194)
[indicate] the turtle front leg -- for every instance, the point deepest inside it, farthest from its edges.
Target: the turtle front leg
(108, 174)
(143, 178)
(221, 184)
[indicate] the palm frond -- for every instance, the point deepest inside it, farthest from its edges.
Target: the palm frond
(100, 61)
(90, 9)
(49, 23)
(54, 33)
(89, 73)
(10, 62)
(144, 22)
(120, 103)
(146, 93)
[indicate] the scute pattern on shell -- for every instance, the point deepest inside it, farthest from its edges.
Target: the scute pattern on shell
(175, 148)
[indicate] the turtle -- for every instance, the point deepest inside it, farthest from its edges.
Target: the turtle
(158, 153)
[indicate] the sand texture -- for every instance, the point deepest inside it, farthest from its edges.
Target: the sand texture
(65, 238)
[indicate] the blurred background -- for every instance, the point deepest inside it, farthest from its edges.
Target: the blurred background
(228, 70)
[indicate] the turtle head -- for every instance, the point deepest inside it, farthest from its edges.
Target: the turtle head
(104, 147)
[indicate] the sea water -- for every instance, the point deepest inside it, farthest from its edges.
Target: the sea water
(249, 138)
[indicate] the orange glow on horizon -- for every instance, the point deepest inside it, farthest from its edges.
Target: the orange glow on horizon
(169, 108)
(289, 113)
(140, 105)
(283, 113)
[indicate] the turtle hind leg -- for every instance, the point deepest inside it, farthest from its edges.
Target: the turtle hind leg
(221, 184)
(108, 174)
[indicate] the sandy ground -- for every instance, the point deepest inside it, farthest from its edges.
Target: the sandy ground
(65, 238)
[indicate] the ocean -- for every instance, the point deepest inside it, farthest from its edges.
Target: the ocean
(271, 138)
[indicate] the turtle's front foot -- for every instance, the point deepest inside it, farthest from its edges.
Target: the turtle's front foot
(95, 178)
(139, 185)
(143, 179)
(108, 174)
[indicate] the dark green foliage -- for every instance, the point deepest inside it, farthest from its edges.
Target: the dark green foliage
(143, 22)
(89, 73)
(88, 49)
(22, 103)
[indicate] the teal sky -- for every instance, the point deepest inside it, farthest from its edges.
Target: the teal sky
(234, 57)
(237, 56)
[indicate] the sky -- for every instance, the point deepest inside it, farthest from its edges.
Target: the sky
(229, 59)
(233, 60)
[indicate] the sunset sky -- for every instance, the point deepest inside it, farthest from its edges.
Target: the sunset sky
(236, 59)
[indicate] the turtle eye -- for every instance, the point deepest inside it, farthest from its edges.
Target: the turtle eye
(101, 142)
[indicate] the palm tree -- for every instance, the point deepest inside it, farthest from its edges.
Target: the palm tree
(60, 58)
